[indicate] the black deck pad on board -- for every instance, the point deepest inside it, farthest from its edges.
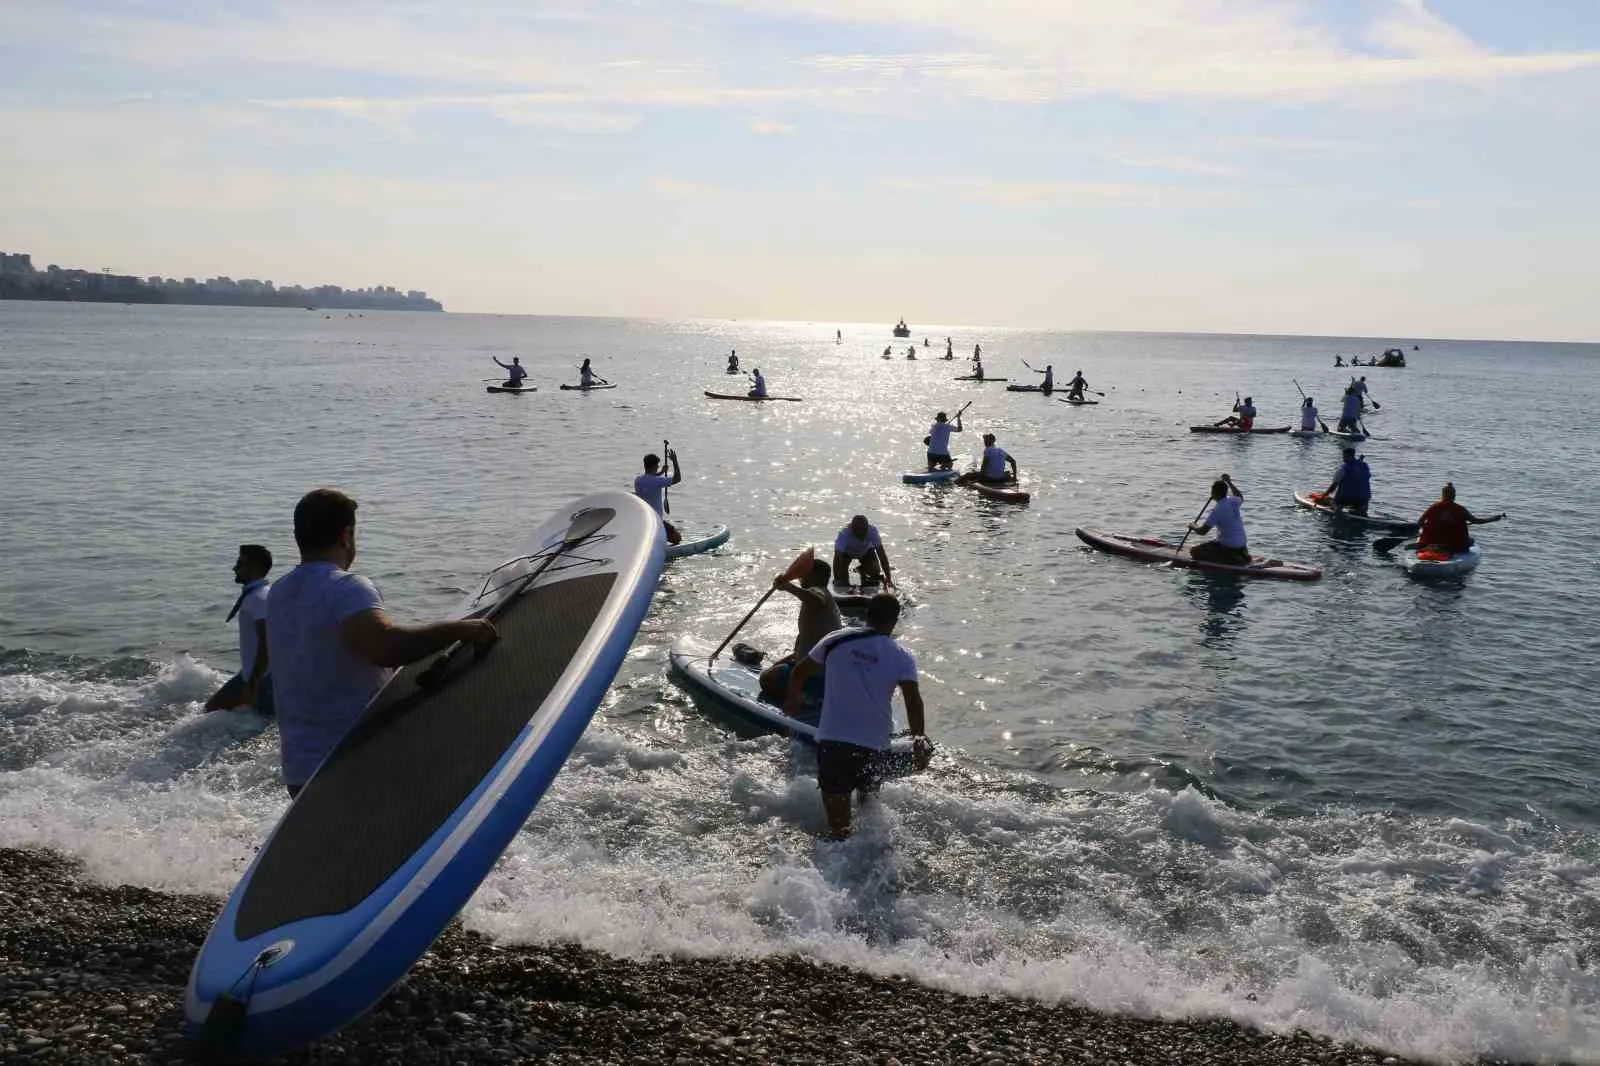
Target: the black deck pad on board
(413, 758)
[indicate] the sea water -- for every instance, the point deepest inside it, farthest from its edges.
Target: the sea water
(1365, 806)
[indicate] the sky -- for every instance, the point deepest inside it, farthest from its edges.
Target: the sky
(1386, 168)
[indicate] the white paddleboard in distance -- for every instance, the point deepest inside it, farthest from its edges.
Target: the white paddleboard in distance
(403, 820)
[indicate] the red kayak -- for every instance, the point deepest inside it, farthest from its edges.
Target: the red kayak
(1005, 493)
(1236, 429)
(1158, 551)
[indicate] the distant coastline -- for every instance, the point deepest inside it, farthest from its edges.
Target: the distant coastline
(20, 281)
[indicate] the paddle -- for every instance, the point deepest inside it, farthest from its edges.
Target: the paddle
(583, 527)
(1385, 545)
(666, 454)
(1320, 422)
(801, 564)
(1190, 527)
(1376, 406)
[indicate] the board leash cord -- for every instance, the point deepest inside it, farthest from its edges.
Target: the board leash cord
(227, 1015)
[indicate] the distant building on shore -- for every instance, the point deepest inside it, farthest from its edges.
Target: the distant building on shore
(20, 281)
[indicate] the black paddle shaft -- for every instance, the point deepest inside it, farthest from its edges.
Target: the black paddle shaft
(666, 453)
(584, 526)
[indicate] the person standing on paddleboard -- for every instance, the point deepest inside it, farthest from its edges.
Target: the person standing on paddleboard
(1443, 526)
(252, 685)
(819, 616)
(1360, 386)
(992, 469)
(758, 389)
(1230, 546)
(938, 441)
(333, 646)
(1244, 414)
(514, 371)
(1049, 383)
(865, 666)
(1351, 487)
(860, 542)
(650, 485)
(1076, 386)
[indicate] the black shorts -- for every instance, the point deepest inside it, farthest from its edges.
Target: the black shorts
(845, 768)
(940, 460)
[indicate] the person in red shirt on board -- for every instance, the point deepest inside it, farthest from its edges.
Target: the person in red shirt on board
(1444, 525)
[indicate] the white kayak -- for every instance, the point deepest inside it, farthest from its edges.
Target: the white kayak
(696, 541)
(927, 477)
(1439, 564)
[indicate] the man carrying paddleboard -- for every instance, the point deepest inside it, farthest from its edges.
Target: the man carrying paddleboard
(252, 685)
(938, 441)
(865, 666)
(1244, 414)
(758, 388)
(650, 487)
(1444, 524)
(1076, 386)
(1351, 487)
(514, 371)
(1230, 545)
(993, 467)
(333, 646)
(859, 542)
(819, 616)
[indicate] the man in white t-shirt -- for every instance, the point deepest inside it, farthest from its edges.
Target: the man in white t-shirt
(333, 646)
(252, 685)
(651, 487)
(859, 542)
(864, 667)
(758, 385)
(938, 441)
(997, 467)
(1230, 545)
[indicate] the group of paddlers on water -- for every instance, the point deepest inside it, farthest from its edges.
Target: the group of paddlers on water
(1352, 407)
(516, 374)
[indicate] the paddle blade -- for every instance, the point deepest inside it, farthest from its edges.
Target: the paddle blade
(586, 524)
(1385, 545)
(801, 566)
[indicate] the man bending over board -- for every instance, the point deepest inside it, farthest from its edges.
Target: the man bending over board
(857, 715)
(859, 542)
(333, 646)
(652, 484)
(819, 616)
(252, 685)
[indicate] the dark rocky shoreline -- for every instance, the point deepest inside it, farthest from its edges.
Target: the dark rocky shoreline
(90, 974)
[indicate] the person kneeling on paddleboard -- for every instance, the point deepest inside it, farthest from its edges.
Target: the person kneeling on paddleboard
(650, 485)
(819, 616)
(938, 441)
(993, 468)
(853, 735)
(252, 685)
(1230, 546)
(333, 646)
(859, 542)
(514, 371)
(758, 389)
(1351, 488)
(1308, 417)
(1350, 413)
(1076, 386)
(1443, 526)
(733, 361)
(1244, 414)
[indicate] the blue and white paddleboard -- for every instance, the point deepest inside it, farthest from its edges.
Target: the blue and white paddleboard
(697, 541)
(927, 477)
(402, 822)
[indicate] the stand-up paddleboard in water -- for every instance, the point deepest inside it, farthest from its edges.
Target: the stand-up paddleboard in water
(1393, 523)
(755, 399)
(969, 377)
(1004, 492)
(927, 477)
(693, 543)
(586, 388)
(1150, 550)
(1236, 429)
(1432, 562)
(513, 391)
(733, 689)
(401, 823)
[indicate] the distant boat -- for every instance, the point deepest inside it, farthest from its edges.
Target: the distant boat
(1393, 358)
(902, 330)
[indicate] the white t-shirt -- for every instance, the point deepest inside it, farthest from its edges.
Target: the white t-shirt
(321, 684)
(862, 677)
(648, 488)
(939, 438)
(855, 547)
(252, 609)
(994, 463)
(1228, 522)
(1308, 418)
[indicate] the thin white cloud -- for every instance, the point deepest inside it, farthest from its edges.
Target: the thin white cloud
(769, 126)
